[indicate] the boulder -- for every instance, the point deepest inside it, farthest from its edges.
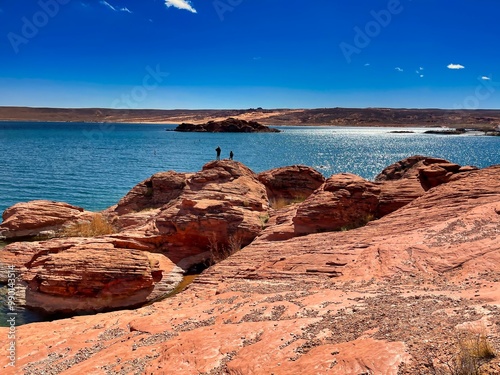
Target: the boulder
(429, 171)
(406, 168)
(440, 173)
(142, 203)
(88, 275)
(220, 205)
(39, 218)
(293, 183)
(344, 201)
(154, 192)
(395, 194)
(279, 226)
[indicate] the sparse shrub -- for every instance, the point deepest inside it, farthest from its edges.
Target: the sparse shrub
(299, 198)
(97, 226)
(220, 250)
(281, 202)
(278, 203)
(474, 350)
(263, 220)
(360, 222)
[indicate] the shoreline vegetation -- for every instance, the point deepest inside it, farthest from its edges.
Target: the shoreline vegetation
(483, 120)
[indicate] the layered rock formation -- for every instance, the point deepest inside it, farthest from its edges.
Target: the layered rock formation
(293, 183)
(223, 201)
(188, 219)
(88, 275)
(230, 125)
(343, 201)
(141, 203)
(196, 218)
(39, 218)
(386, 298)
(346, 201)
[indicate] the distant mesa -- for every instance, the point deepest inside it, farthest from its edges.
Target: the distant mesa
(230, 125)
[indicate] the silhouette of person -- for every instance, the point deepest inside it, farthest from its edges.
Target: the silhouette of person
(231, 155)
(218, 150)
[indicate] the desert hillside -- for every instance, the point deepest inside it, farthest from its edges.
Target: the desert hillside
(322, 116)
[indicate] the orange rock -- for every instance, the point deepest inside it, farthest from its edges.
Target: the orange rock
(385, 298)
(296, 182)
(406, 168)
(154, 192)
(343, 201)
(221, 203)
(81, 275)
(40, 217)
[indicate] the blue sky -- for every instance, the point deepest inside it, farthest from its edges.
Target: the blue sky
(250, 53)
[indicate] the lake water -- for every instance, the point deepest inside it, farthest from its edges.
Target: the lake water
(94, 165)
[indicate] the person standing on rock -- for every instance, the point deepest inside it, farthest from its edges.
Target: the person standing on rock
(231, 155)
(218, 150)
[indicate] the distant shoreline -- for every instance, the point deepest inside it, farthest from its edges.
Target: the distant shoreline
(486, 120)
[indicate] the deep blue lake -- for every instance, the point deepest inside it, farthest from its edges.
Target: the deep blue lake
(94, 165)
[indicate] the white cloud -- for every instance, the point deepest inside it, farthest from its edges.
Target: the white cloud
(421, 76)
(398, 69)
(420, 68)
(484, 78)
(180, 4)
(367, 64)
(114, 9)
(455, 66)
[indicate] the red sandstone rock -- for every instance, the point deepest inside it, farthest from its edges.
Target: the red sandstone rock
(222, 202)
(406, 168)
(395, 194)
(296, 182)
(343, 201)
(154, 192)
(440, 173)
(40, 217)
(280, 226)
(429, 171)
(386, 298)
(81, 275)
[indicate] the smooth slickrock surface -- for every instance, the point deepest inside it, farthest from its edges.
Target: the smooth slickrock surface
(387, 298)
(40, 217)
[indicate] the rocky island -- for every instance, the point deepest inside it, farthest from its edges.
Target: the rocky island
(230, 125)
(306, 275)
